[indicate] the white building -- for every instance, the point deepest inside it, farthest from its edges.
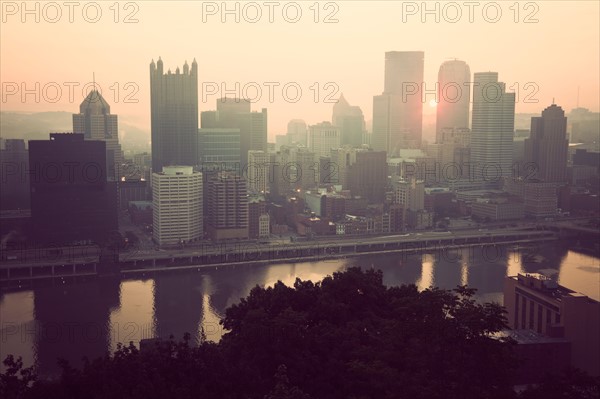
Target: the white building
(264, 223)
(410, 194)
(322, 137)
(177, 205)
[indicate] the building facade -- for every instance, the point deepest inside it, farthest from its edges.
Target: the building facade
(322, 137)
(174, 115)
(398, 112)
(72, 201)
(96, 122)
(227, 206)
(177, 205)
(493, 126)
(536, 302)
(454, 97)
(546, 149)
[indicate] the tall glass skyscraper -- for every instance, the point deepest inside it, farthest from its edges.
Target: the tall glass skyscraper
(454, 97)
(398, 112)
(493, 128)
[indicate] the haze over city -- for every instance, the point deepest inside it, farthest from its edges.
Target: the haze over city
(302, 200)
(554, 44)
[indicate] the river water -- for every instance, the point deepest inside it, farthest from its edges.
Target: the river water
(72, 320)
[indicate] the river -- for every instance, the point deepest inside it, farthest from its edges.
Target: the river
(88, 318)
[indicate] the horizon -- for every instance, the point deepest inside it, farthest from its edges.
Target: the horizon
(298, 54)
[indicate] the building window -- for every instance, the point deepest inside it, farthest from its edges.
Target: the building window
(516, 319)
(531, 314)
(523, 312)
(539, 319)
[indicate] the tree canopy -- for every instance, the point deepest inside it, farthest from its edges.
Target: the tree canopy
(348, 336)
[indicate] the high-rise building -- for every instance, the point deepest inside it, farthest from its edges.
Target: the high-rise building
(227, 204)
(219, 147)
(388, 132)
(398, 112)
(410, 194)
(322, 137)
(303, 170)
(174, 115)
(71, 198)
(351, 122)
(547, 146)
(14, 170)
(258, 171)
(340, 161)
(454, 97)
(235, 113)
(367, 177)
(492, 130)
(177, 205)
(95, 122)
(297, 132)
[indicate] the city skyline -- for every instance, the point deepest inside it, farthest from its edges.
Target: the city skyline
(571, 81)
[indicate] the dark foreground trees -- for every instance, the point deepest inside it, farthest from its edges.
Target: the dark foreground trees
(346, 337)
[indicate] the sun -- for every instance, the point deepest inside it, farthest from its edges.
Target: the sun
(432, 103)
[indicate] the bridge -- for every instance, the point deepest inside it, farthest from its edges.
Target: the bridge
(90, 261)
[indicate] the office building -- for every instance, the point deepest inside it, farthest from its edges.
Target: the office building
(258, 172)
(14, 174)
(351, 122)
(235, 113)
(322, 137)
(492, 130)
(367, 177)
(547, 146)
(96, 122)
(71, 199)
(454, 97)
(219, 148)
(227, 206)
(398, 112)
(174, 115)
(297, 132)
(177, 205)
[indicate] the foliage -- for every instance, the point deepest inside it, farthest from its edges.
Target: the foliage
(347, 336)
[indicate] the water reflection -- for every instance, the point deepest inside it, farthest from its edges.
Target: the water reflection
(72, 321)
(90, 318)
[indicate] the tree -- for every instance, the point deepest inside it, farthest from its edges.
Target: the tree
(348, 336)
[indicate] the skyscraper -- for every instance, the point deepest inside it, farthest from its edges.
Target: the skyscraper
(547, 146)
(71, 199)
(297, 132)
(14, 169)
(177, 205)
(351, 122)
(96, 122)
(322, 137)
(398, 112)
(454, 97)
(174, 115)
(492, 130)
(235, 113)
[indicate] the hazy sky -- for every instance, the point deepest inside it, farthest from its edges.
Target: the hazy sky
(559, 52)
